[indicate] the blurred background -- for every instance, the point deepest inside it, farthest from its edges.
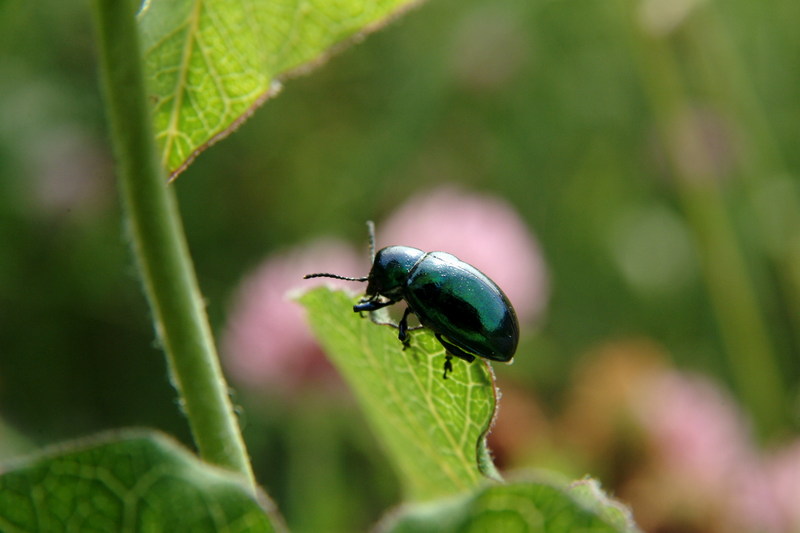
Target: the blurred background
(627, 171)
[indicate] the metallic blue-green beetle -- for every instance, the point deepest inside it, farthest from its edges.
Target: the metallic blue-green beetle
(466, 310)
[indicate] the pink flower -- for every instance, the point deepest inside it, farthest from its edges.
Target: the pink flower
(773, 502)
(482, 230)
(752, 502)
(784, 473)
(707, 460)
(696, 430)
(266, 341)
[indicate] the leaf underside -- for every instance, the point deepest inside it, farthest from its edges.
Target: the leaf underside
(210, 63)
(433, 429)
(127, 482)
(523, 506)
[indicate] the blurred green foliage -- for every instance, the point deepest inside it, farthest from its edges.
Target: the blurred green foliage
(558, 106)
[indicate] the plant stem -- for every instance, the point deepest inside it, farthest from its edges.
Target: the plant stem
(729, 280)
(160, 246)
(726, 79)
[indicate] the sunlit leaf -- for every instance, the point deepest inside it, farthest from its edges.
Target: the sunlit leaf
(210, 63)
(525, 506)
(126, 482)
(432, 428)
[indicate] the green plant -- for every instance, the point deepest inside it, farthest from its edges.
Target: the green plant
(202, 67)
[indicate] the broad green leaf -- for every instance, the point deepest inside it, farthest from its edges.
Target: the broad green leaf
(590, 494)
(526, 506)
(126, 482)
(210, 63)
(433, 429)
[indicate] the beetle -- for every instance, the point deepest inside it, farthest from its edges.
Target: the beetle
(467, 312)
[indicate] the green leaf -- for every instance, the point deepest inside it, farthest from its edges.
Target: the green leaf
(526, 506)
(127, 482)
(432, 429)
(210, 63)
(590, 494)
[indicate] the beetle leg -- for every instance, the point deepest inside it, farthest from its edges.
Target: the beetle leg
(452, 349)
(403, 327)
(448, 365)
(371, 305)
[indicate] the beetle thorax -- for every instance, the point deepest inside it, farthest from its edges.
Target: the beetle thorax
(391, 269)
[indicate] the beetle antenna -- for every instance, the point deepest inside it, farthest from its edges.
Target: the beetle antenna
(371, 230)
(334, 276)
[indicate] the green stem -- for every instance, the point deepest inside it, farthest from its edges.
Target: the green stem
(160, 246)
(730, 285)
(724, 76)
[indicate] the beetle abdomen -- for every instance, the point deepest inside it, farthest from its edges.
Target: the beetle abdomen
(459, 302)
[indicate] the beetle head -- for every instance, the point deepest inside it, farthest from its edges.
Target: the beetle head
(391, 269)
